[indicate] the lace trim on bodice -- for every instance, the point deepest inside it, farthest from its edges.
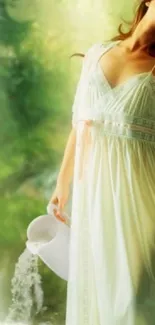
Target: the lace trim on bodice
(131, 127)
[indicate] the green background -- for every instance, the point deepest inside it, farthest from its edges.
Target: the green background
(37, 86)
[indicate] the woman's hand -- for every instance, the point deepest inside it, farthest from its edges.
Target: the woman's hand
(60, 198)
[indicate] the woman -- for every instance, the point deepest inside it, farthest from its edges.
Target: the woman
(112, 148)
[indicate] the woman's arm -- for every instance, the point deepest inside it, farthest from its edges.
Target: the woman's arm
(67, 166)
(61, 193)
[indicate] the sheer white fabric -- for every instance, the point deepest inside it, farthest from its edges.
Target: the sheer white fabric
(111, 276)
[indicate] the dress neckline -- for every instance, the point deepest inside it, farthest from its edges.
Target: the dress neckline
(148, 74)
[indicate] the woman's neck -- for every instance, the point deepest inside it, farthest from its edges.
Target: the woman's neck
(143, 36)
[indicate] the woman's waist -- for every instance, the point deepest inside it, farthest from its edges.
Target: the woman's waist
(129, 126)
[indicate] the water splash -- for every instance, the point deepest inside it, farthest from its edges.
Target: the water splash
(26, 289)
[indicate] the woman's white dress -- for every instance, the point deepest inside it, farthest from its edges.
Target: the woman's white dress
(112, 248)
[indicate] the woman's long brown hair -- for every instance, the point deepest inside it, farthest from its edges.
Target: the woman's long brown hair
(139, 14)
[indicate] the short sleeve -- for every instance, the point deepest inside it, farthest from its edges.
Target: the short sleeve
(80, 85)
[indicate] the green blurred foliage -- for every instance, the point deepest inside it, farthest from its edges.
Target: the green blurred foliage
(33, 83)
(35, 101)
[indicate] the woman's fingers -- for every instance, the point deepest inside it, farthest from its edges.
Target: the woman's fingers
(59, 198)
(58, 215)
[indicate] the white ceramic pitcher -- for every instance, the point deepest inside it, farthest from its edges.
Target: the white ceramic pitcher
(49, 239)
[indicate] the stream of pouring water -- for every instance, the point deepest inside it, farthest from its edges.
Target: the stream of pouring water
(26, 289)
